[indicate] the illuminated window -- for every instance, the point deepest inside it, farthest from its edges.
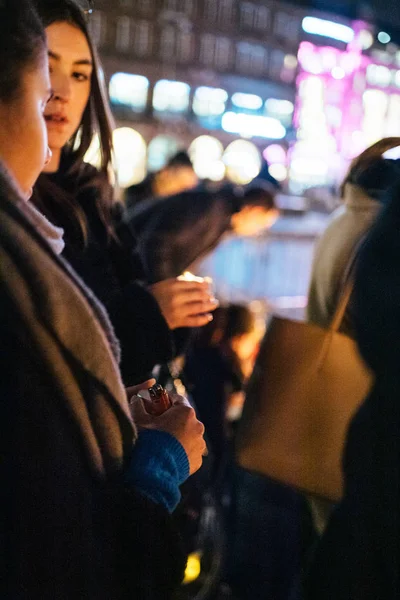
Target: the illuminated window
(223, 53)
(375, 103)
(280, 109)
(248, 101)
(171, 96)
(161, 149)
(263, 18)
(97, 27)
(207, 49)
(243, 161)
(167, 42)
(129, 90)
(142, 38)
(206, 155)
(130, 156)
(123, 34)
(253, 125)
(393, 116)
(330, 29)
(247, 15)
(379, 75)
(209, 102)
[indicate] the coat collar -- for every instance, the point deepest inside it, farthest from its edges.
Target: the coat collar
(62, 302)
(357, 199)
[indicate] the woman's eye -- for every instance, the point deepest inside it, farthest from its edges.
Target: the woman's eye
(81, 76)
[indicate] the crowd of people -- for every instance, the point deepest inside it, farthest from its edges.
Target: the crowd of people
(96, 491)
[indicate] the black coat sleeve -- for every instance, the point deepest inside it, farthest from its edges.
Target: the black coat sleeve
(145, 337)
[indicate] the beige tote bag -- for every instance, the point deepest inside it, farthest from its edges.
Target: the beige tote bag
(307, 384)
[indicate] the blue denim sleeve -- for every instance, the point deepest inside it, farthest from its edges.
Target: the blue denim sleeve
(159, 465)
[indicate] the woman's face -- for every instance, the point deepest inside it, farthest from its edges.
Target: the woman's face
(23, 135)
(71, 66)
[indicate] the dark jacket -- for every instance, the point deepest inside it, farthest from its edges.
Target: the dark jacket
(359, 556)
(109, 265)
(175, 232)
(69, 527)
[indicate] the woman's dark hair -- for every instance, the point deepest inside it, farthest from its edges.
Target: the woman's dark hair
(52, 198)
(372, 172)
(22, 42)
(228, 322)
(97, 115)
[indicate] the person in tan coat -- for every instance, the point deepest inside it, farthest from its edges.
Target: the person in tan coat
(364, 193)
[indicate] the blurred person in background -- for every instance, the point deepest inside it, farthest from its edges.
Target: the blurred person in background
(84, 496)
(364, 193)
(358, 557)
(80, 199)
(218, 364)
(181, 230)
(177, 176)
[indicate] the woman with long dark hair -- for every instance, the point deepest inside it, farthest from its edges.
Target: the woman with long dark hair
(80, 199)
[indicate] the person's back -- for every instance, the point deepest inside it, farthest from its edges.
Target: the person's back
(358, 557)
(334, 252)
(363, 194)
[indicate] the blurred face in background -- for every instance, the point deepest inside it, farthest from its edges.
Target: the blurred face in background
(23, 135)
(174, 180)
(71, 66)
(251, 220)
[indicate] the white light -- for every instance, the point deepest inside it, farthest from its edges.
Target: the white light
(379, 75)
(393, 153)
(209, 101)
(253, 125)
(250, 101)
(384, 37)
(366, 39)
(290, 61)
(93, 153)
(336, 31)
(279, 107)
(278, 171)
(171, 96)
(338, 73)
(206, 153)
(309, 166)
(130, 156)
(129, 90)
(243, 161)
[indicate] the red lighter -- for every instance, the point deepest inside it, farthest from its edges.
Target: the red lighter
(160, 401)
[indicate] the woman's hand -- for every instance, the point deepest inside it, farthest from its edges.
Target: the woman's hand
(180, 421)
(135, 389)
(184, 303)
